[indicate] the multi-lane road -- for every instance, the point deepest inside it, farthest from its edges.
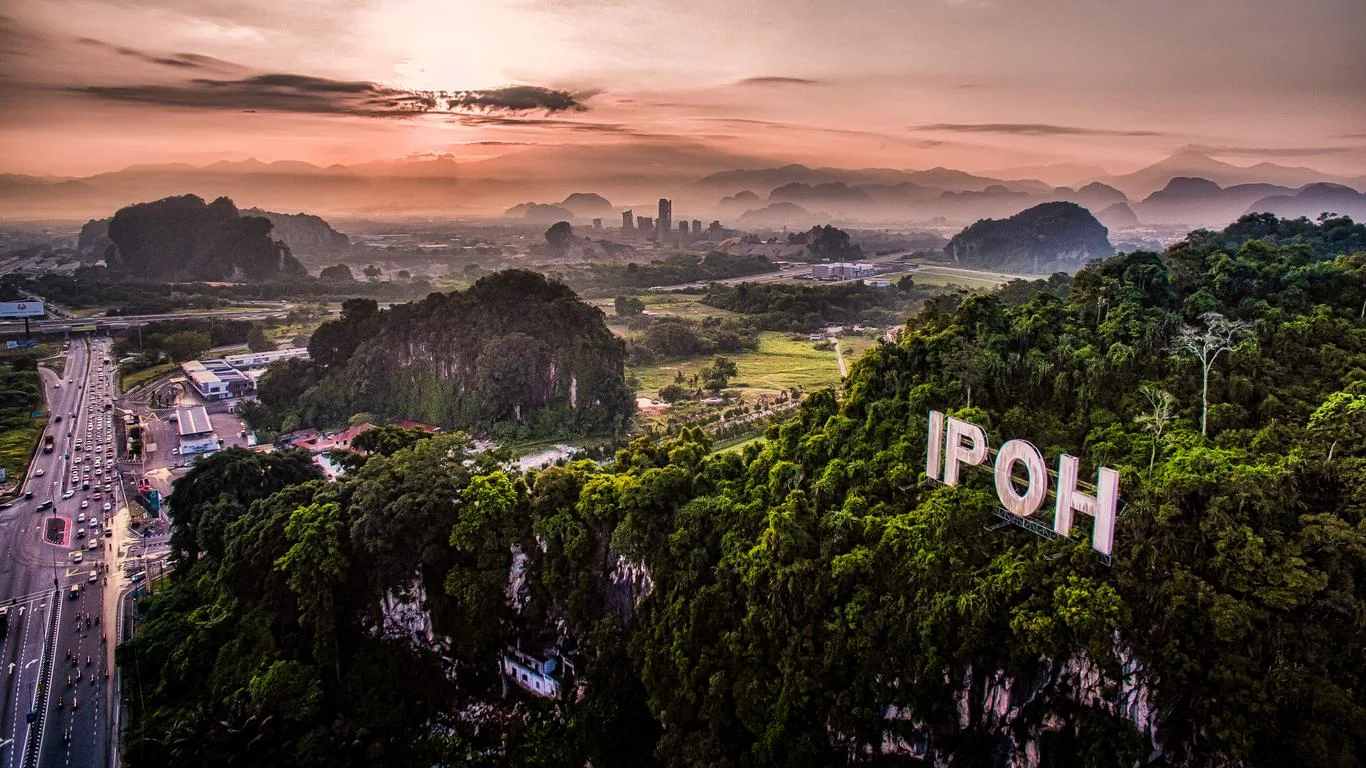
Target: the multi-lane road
(54, 583)
(111, 322)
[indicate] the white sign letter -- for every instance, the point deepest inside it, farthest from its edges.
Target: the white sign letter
(957, 454)
(934, 458)
(1024, 505)
(1101, 506)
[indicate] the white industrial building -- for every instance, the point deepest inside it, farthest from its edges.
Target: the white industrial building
(842, 270)
(195, 431)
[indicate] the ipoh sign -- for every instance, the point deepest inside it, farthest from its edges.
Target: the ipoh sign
(954, 444)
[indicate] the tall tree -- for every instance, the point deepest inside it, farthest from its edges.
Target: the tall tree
(1219, 334)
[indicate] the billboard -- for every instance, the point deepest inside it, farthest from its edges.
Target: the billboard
(22, 309)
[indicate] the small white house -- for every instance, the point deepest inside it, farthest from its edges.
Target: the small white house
(536, 677)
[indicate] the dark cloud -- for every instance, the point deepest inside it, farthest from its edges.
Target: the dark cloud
(318, 95)
(516, 98)
(778, 81)
(1029, 129)
(572, 126)
(174, 60)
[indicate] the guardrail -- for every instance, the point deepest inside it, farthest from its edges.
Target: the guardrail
(34, 741)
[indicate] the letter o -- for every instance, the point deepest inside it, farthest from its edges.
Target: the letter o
(1028, 503)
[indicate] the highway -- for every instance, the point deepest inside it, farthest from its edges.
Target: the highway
(60, 325)
(889, 261)
(44, 722)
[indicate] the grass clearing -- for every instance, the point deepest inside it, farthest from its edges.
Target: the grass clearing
(779, 363)
(130, 380)
(18, 438)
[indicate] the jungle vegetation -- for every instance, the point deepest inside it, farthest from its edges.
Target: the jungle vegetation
(815, 601)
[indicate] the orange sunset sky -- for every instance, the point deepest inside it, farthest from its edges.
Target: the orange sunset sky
(96, 85)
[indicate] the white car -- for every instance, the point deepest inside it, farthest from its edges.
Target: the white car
(107, 507)
(68, 494)
(85, 504)
(80, 518)
(92, 544)
(39, 472)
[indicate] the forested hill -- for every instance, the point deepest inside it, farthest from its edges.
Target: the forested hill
(183, 238)
(515, 349)
(815, 601)
(302, 232)
(1050, 237)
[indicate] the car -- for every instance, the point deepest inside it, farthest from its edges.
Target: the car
(77, 557)
(107, 506)
(80, 533)
(85, 486)
(93, 544)
(108, 533)
(75, 593)
(45, 505)
(97, 496)
(94, 577)
(81, 517)
(58, 420)
(39, 472)
(98, 471)
(68, 494)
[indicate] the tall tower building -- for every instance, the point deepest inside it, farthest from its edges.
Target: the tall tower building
(696, 227)
(683, 228)
(628, 222)
(664, 222)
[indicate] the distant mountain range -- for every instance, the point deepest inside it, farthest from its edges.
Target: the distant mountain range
(1189, 188)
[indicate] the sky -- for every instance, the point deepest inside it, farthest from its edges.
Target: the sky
(96, 85)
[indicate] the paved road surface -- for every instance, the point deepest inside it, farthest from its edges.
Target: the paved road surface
(35, 579)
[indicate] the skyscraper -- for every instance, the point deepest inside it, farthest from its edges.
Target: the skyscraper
(696, 227)
(683, 229)
(664, 223)
(628, 222)
(597, 225)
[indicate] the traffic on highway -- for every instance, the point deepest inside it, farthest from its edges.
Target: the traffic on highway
(60, 579)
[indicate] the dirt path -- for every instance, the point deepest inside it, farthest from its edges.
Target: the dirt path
(839, 357)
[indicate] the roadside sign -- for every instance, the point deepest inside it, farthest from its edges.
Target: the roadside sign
(22, 309)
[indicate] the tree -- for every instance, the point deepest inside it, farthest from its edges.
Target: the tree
(315, 567)
(372, 272)
(257, 341)
(716, 376)
(404, 275)
(628, 306)
(1219, 334)
(186, 345)
(337, 273)
(560, 236)
(1162, 411)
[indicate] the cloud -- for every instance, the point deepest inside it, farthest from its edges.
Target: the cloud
(1272, 151)
(174, 60)
(773, 80)
(1029, 129)
(319, 95)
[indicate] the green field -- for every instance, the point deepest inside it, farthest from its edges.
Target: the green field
(779, 363)
(128, 381)
(17, 440)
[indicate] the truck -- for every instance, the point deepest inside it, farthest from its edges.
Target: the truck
(47, 443)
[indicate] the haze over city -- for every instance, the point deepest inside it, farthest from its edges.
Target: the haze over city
(1061, 90)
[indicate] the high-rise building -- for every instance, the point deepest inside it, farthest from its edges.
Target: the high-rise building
(628, 222)
(664, 224)
(597, 225)
(683, 229)
(645, 225)
(696, 227)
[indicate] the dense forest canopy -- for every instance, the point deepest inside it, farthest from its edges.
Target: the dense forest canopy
(184, 238)
(814, 601)
(514, 348)
(1049, 237)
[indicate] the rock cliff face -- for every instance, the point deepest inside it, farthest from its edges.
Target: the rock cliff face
(303, 232)
(1050, 237)
(514, 347)
(184, 238)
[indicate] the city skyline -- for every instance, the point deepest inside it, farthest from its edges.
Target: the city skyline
(99, 85)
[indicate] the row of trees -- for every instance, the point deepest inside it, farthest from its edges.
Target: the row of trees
(815, 601)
